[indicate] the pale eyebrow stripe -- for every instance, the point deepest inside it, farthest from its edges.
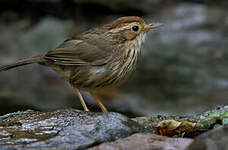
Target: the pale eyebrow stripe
(123, 28)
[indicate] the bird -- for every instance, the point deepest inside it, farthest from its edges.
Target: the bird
(98, 58)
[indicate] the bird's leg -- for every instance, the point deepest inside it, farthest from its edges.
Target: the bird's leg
(99, 102)
(81, 99)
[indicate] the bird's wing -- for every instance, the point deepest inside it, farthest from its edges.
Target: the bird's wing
(78, 52)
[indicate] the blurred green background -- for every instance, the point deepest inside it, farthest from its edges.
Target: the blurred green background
(183, 68)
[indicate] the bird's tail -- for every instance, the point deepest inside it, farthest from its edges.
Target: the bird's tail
(36, 59)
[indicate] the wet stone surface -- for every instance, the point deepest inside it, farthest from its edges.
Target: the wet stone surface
(145, 141)
(63, 129)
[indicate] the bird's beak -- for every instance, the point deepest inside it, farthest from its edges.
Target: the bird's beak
(153, 26)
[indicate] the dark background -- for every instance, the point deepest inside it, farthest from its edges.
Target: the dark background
(183, 68)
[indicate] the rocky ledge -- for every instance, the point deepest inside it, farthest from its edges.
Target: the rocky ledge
(74, 129)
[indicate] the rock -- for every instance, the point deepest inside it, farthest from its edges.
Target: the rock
(145, 141)
(74, 129)
(204, 121)
(212, 140)
(62, 129)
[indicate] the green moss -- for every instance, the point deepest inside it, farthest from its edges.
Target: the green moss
(214, 115)
(216, 118)
(217, 126)
(225, 115)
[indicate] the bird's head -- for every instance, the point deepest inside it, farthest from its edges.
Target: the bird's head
(131, 27)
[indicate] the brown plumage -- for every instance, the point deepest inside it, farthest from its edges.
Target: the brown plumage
(97, 58)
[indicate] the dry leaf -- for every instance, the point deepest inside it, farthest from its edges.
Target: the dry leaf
(173, 127)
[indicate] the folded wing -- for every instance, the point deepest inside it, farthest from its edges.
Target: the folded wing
(78, 52)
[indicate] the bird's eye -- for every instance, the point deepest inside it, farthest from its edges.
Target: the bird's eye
(135, 28)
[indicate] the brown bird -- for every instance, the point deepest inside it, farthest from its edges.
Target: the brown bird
(98, 58)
